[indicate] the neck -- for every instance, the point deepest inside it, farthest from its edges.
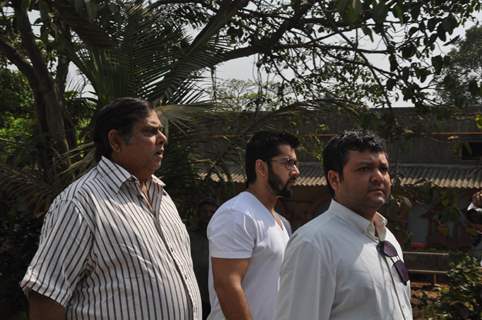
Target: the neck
(366, 213)
(265, 195)
(141, 175)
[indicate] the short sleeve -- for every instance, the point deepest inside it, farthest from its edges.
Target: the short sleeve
(232, 234)
(64, 248)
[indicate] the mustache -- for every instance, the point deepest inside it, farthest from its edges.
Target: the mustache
(290, 180)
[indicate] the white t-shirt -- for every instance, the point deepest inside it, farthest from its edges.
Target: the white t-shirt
(332, 270)
(243, 228)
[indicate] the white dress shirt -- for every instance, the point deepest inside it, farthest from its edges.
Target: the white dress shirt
(332, 270)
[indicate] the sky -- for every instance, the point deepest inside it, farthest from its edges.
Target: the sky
(245, 69)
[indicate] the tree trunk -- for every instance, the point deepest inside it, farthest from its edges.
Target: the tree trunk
(50, 109)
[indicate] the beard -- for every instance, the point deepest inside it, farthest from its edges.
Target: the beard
(279, 188)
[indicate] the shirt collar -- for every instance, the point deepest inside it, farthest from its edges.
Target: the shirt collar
(115, 175)
(365, 226)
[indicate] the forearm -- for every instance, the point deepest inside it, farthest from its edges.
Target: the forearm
(44, 308)
(233, 302)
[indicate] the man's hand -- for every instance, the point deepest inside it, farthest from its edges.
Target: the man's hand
(44, 308)
(227, 277)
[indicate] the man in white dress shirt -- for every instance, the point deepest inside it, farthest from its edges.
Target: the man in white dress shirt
(247, 237)
(346, 264)
(474, 218)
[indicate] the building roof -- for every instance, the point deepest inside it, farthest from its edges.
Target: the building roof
(443, 176)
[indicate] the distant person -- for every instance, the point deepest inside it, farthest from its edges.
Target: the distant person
(200, 249)
(113, 245)
(247, 237)
(474, 217)
(345, 264)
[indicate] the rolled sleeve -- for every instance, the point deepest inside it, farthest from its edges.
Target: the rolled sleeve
(232, 235)
(60, 260)
(307, 284)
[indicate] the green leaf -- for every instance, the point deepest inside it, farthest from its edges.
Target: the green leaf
(450, 23)
(368, 32)
(415, 11)
(478, 120)
(441, 32)
(380, 12)
(409, 51)
(474, 88)
(390, 84)
(341, 5)
(412, 31)
(437, 63)
(432, 22)
(44, 10)
(352, 11)
(398, 12)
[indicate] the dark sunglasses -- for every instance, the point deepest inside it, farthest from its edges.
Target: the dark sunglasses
(388, 250)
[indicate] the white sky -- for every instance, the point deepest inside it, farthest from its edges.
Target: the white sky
(245, 69)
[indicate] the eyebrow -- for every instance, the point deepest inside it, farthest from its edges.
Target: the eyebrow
(368, 162)
(152, 126)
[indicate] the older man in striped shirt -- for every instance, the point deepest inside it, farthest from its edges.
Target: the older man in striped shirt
(113, 245)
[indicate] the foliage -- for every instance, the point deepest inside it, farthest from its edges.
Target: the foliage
(19, 237)
(460, 83)
(323, 52)
(462, 299)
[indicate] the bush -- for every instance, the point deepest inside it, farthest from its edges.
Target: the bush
(462, 299)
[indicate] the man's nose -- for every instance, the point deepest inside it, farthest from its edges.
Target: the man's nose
(161, 138)
(377, 175)
(295, 171)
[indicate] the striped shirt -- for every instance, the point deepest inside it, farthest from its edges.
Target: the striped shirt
(107, 251)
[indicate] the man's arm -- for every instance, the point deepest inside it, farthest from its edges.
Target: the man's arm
(44, 308)
(227, 277)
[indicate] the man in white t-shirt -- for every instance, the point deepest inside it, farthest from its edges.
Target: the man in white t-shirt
(345, 264)
(247, 238)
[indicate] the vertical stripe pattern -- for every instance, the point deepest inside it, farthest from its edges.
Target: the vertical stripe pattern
(107, 251)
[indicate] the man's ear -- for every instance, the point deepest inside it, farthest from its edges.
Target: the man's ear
(334, 179)
(261, 168)
(115, 140)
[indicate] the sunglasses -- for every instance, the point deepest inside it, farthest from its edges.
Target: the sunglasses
(388, 250)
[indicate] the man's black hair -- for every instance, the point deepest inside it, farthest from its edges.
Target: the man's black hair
(335, 153)
(264, 145)
(121, 114)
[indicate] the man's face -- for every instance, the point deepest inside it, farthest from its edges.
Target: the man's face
(365, 184)
(142, 154)
(282, 173)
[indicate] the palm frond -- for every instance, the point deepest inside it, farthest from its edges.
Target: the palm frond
(88, 31)
(27, 190)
